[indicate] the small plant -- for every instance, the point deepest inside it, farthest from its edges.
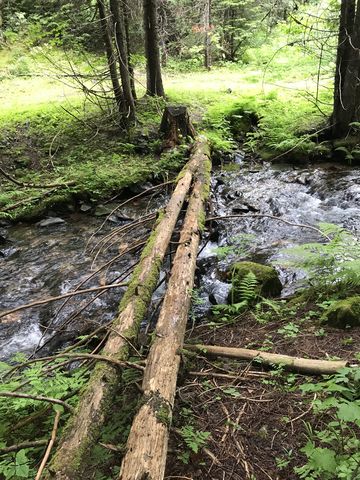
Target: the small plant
(283, 461)
(320, 332)
(239, 246)
(290, 330)
(34, 380)
(334, 451)
(194, 439)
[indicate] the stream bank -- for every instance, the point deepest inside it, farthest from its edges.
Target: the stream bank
(50, 259)
(245, 421)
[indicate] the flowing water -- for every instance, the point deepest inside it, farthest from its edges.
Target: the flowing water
(37, 262)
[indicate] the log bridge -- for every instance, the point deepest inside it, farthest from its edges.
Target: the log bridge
(147, 444)
(146, 454)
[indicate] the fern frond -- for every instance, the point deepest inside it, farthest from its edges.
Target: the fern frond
(332, 264)
(247, 287)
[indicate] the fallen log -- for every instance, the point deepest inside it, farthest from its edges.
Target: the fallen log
(147, 444)
(296, 364)
(69, 461)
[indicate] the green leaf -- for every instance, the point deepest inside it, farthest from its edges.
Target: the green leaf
(22, 467)
(232, 392)
(349, 412)
(324, 459)
(58, 408)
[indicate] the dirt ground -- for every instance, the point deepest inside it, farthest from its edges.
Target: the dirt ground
(256, 417)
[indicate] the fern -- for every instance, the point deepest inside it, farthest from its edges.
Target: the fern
(331, 265)
(247, 287)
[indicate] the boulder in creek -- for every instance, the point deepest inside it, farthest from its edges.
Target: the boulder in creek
(268, 282)
(49, 222)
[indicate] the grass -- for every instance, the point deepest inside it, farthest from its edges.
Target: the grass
(40, 141)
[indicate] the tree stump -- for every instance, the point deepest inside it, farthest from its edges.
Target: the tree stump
(175, 126)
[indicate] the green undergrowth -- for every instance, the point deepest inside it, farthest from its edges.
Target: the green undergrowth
(283, 123)
(276, 83)
(49, 145)
(25, 420)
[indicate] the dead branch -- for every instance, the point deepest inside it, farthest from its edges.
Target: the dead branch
(301, 365)
(20, 446)
(84, 428)
(50, 446)
(39, 398)
(148, 439)
(141, 194)
(260, 215)
(26, 201)
(34, 185)
(77, 356)
(60, 297)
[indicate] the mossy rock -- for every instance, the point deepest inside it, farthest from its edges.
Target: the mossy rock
(343, 313)
(269, 284)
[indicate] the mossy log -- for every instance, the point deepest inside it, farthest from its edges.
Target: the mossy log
(296, 364)
(147, 444)
(175, 126)
(83, 430)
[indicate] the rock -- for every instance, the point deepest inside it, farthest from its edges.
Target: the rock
(304, 178)
(140, 188)
(241, 208)
(49, 222)
(343, 313)
(269, 284)
(219, 293)
(3, 236)
(113, 219)
(103, 210)
(84, 207)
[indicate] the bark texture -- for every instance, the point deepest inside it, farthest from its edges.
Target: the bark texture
(83, 431)
(207, 39)
(121, 45)
(175, 126)
(152, 50)
(110, 54)
(148, 440)
(300, 365)
(347, 84)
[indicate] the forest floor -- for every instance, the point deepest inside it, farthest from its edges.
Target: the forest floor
(262, 424)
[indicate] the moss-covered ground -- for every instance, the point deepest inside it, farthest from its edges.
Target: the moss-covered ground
(52, 129)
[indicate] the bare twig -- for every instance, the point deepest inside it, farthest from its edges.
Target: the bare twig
(78, 356)
(19, 446)
(49, 447)
(258, 215)
(34, 185)
(60, 297)
(39, 398)
(145, 192)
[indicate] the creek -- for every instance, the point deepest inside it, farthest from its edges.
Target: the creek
(52, 259)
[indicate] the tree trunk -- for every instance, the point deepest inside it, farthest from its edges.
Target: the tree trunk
(84, 429)
(347, 85)
(126, 10)
(148, 439)
(111, 58)
(300, 365)
(152, 51)
(175, 126)
(120, 39)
